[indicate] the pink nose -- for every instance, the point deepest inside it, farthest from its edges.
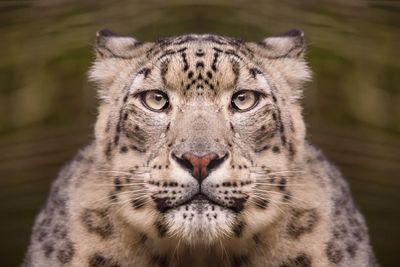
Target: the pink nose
(200, 166)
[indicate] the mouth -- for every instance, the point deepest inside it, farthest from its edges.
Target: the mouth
(200, 200)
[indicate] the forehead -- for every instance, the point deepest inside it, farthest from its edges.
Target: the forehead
(201, 64)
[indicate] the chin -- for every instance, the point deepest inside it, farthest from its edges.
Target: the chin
(200, 222)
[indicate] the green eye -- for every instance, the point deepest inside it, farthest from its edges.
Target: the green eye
(245, 100)
(155, 100)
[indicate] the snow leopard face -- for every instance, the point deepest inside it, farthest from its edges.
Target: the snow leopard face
(200, 134)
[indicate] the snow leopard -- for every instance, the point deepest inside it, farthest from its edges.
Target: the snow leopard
(200, 158)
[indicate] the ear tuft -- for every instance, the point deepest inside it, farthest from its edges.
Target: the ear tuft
(106, 33)
(102, 37)
(289, 44)
(284, 54)
(293, 33)
(110, 44)
(115, 55)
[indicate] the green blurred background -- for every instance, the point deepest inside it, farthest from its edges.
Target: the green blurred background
(47, 107)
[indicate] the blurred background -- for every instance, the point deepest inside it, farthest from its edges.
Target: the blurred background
(47, 107)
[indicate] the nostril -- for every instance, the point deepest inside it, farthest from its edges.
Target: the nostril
(216, 162)
(185, 163)
(200, 166)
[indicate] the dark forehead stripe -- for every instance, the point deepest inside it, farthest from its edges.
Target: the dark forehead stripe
(254, 71)
(233, 53)
(200, 53)
(145, 72)
(183, 49)
(235, 70)
(200, 74)
(167, 46)
(185, 62)
(185, 39)
(164, 70)
(199, 65)
(167, 52)
(220, 40)
(214, 63)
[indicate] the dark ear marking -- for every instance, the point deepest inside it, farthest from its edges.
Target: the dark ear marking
(112, 45)
(106, 33)
(293, 33)
(287, 45)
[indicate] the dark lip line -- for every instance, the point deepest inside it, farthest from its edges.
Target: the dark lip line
(193, 198)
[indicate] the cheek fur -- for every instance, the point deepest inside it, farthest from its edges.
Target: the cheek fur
(141, 130)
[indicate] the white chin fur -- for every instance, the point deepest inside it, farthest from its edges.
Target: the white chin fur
(197, 223)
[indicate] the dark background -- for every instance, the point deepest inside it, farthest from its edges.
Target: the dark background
(47, 107)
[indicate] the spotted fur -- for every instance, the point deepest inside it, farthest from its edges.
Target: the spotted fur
(268, 199)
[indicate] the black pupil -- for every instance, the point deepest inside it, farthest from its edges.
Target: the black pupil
(158, 97)
(242, 97)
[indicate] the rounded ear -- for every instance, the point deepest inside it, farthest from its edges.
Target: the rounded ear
(289, 44)
(284, 54)
(110, 44)
(115, 55)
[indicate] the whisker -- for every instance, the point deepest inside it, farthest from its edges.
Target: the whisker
(129, 173)
(264, 175)
(129, 201)
(91, 203)
(223, 250)
(261, 171)
(282, 194)
(176, 250)
(276, 206)
(114, 194)
(270, 201)
(266, 183)
(120, 172)
(130, 192)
